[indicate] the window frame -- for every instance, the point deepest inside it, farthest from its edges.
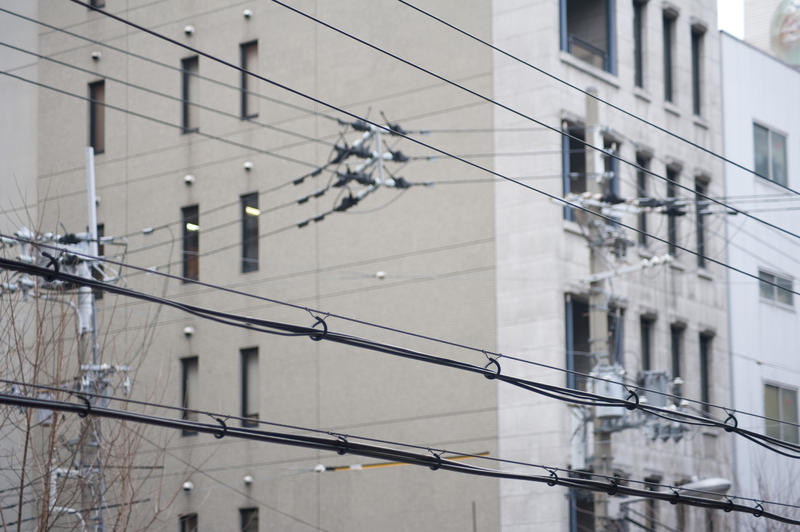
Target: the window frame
(697, 52)
(97, 116)
(646, 329)
(773, 296)
(247, 101)
(669, 19)
(246, 355)
(782, 427)
(190, 68)
(639, 35)
(676, 346)
(701, 185)
(771, 166)
(572, 152)
(183, 519)
(642, 190)
(187, 403)
(190, 253)
(705, 358)
(245, 519)
(610, 53)
(673, 180)
(250, 233)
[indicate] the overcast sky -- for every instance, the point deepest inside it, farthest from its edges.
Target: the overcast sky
(730, 16)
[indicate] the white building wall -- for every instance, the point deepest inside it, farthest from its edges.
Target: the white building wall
(764, 338)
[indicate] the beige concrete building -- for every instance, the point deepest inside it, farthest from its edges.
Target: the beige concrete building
(206, 191)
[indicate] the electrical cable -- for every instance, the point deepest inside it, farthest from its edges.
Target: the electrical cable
(730, 424)
(487, 353)
(590, 94)
(438, 150)
(342, 444)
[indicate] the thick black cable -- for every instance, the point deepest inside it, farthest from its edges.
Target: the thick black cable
(285, 329)
(591, 95)
(465, 161)
(488, 100)
(342, 445)
(487, 353)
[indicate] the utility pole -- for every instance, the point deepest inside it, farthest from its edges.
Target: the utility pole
(92, 487)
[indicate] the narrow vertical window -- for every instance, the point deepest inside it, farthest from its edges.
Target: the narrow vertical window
(248, 518)
(189, 390)
(97, 116)
(701, 211)
(611, 165)
(250, 214)
(638, 42)
(191, 242)
(189, 81)
(97, 268)
(616, 335)
(579, 356)
(188, 523)
(668, 29)
(250, 385)
(98, 3)
(642, 191)
(705, 366)
(646, 329)
(673, 211)
(676, 348)
(249, 62)
(697, 69)
(573, 163)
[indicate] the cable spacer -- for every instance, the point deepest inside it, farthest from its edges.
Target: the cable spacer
(88, 406)
(676, 497)
(730, 506)
(612, 489)
(635, 403)
(553, 480)
(322, 334)
(759, 510)
(495, 363)
(438, 457)
(343, 445)
(734, 426)
(51, 261)
(224, 431)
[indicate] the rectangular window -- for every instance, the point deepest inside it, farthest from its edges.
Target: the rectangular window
(588, 31)
(611, 165)
(573, 163)
(616, 336)
(705, 376)
(188, 523)
(578, 347)
(191, 242)
(770, 154)
(190, 388)
(642, 191)
(250, 385)
(673, 210)
(669, 69)
(97, 116)
(248, 518)
(189, 83)
(250, 215)
(782, 293)
(780, 404)
(638, 42)
(701, 211)
(646, 331)
(697, 69)
(249, 61)
(98, 268)
(581, 505)
(676, 348)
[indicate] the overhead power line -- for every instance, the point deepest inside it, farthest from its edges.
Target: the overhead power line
(590, 94)
(491, 371)
(461, 159)
(343, 444)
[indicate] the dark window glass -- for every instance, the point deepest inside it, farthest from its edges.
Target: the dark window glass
(190, 389)
(189, 72)
(573, 162)
(249, 519)
(697, 69)
(99, 267)
(646, 329)
(250, 215)
(676, 347)
(249, 61)
(651, 510)
(673, 210)
(250, 385)
(581, 505)
(616, 336)
(579, 355)
(97, 116)
(98, 3)
(191, 242)
(188, 523)
(705, 361)
(588, 31)
(780, 404)
(642, 191)
(638, 42)
(701, 211)
(782, 293)
(761, 148)
(668, 30)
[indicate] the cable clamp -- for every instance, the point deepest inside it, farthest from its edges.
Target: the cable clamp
(632, 405)
(343, 445)
(492, 362)
(759, 510)
(676, 497)
(88, 405)
(612, 489)
(553, 480)
(222, 432)
(729, 506)
(319, 321)
(54, 262)
(438, 456)
(731, 427)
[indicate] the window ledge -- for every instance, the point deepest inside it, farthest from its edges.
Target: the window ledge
(672, 109)
(675, 265)
(595, 72)
(572, 227)
(699, 121)
(773, 303)
(644, 252)
(705, 274)
(642, 94)
(770, 182)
